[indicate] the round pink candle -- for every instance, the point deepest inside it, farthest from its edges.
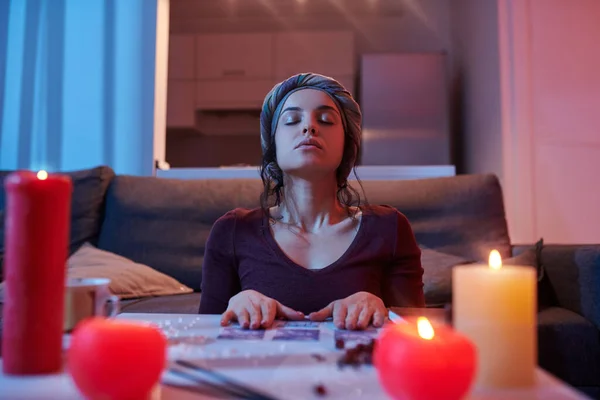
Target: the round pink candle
(116, 359)
(414, 361)
(36, 247)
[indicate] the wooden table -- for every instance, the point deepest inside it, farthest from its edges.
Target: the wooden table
(284, 369)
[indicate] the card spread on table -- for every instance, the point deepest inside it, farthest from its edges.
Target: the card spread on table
(298, 324)
(364, 335)
(296, 334)
(241, 334)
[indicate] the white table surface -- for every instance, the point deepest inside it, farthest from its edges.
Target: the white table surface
(283, 369)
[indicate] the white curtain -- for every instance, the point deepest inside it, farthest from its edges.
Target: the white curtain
(77, 83)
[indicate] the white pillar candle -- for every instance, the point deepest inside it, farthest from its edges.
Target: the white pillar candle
(495, 306)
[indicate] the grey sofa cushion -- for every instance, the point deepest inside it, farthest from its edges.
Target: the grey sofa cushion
(461, 215)
(175, 304)
(573, 273)
(437, 276)
(87, 205)
(569, 346)
(164, 223)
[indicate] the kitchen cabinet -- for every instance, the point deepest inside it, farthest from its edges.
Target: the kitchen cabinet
(328, 53)
(181, 103)
(181, 56)
(240, 56)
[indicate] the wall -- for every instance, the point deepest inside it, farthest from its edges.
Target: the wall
(379, 26)
(550, 60)
(77, 82)
(527, 75)
(476, 85)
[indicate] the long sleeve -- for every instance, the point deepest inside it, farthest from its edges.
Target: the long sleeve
(220, 279)
(403, 281)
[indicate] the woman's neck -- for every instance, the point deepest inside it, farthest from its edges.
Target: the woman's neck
(311, 205)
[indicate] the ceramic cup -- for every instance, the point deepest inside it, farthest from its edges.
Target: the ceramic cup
(87, 297)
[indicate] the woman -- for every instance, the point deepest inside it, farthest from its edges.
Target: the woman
(311, 249)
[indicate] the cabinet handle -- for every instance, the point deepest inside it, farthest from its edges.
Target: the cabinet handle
(234, 72)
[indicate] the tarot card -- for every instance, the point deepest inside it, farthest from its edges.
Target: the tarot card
(359, 336)
(241, 334)
(297, 334)
(300, 324)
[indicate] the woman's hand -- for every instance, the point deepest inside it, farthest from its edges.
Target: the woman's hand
(354, 312)
(254, 310)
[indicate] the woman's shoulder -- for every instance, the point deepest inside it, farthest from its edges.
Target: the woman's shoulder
(386, 214)
(239, 216)
(381, 210)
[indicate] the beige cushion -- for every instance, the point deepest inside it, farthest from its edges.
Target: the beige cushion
(127, 278)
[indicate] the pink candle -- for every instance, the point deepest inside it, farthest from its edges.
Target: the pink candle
(116, 359)
(416, 361)
(36, 248)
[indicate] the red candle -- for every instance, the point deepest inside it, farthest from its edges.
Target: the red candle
(116, 359)
(416, 362)
(36, 248)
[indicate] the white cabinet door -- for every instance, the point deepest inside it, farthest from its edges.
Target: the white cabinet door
(326, 53)
(181, 103)
(181, 56)
(232, 94)
(234, 56)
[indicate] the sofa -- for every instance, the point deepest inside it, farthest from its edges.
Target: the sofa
(164, 224)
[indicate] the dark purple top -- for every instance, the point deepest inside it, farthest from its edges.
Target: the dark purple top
(241, 253)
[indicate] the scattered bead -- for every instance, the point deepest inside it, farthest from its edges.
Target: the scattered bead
(320, 390)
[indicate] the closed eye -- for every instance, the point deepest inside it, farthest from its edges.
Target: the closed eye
(294, 122)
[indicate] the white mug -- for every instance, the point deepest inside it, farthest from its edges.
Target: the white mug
(87, 297)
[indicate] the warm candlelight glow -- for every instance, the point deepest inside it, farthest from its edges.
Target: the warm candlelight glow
(495, 260)
(42, 175)
(425, 329)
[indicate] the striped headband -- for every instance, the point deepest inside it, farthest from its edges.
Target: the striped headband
(273, 104)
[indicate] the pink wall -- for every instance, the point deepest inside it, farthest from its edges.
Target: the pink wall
(551, 118)
(565, 87)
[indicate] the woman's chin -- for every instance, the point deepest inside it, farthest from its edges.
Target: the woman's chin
(310, 170)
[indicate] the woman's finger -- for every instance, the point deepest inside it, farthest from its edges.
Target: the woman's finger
(269, 310)
(364, 318)
(288, 313)
(340, 311)
(255, 315)
(322, 314)
(243, 318)
(379, 317)
(352, 316)
(227, 317)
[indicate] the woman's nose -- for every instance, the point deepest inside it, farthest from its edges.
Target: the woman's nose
(310, 129)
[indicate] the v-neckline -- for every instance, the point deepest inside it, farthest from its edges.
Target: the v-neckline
(270, 238)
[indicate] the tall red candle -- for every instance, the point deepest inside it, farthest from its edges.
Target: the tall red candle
(36, 248)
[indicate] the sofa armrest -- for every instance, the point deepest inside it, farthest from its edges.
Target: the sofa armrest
(573, 272)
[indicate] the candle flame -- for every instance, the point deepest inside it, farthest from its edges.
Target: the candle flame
(425, 329)
(495, 261)
(42, 175)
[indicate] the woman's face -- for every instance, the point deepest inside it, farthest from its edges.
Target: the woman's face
(310, 136)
